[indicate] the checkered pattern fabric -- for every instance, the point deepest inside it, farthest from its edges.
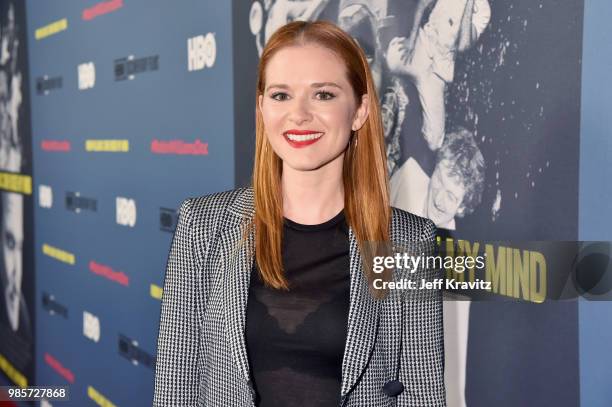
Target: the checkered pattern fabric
(201, 352)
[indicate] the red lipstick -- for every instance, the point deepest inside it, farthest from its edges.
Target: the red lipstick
(302, 138)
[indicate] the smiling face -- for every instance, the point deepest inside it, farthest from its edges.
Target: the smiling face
(308, 107)
(445, 196)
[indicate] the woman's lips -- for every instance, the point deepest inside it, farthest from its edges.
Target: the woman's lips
(299, 139)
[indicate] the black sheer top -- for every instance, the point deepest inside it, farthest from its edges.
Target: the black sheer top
(295, 339)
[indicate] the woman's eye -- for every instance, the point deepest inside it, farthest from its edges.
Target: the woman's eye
(279, 96)
(326, 95)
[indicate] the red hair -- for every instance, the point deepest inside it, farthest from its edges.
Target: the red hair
(366, 199)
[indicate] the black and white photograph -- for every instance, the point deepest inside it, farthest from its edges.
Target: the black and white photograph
(479, 131)
(17, 277)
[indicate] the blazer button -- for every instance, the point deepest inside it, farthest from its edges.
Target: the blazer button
(393, 388)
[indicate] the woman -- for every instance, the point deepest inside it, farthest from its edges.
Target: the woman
(268, 297)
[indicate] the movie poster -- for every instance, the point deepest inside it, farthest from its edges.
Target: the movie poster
(481, 111)
(16, 257)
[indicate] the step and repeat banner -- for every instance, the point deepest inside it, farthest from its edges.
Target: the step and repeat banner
(113, 112)
(131, 112)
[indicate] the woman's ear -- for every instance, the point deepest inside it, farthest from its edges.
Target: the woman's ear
(260, 101)
(361, 115)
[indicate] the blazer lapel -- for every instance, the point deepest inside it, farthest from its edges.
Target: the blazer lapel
(236, 266)
(364, 313)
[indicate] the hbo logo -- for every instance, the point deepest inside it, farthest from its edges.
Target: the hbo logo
(126, 211)
(87, 75)
(201, 52)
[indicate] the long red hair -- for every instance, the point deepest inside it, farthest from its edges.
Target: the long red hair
(366, 187)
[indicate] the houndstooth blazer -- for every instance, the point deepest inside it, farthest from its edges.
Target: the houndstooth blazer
(201, 351)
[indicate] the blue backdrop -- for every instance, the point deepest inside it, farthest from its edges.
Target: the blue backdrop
(130, 106)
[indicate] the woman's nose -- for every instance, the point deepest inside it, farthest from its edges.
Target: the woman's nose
(300, 111)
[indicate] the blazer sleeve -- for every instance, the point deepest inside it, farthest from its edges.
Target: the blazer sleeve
(177, 376)
(422, 359)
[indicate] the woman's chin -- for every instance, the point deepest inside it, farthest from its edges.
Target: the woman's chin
(304, 165)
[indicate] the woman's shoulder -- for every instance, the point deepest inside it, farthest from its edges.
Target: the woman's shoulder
(207, 210)
(220, 201)
(408, 226)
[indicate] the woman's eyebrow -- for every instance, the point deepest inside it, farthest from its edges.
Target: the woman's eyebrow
(312, 85)
(277, 85)
(321, 84)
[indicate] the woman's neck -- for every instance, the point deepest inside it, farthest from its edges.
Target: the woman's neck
(313, 197)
